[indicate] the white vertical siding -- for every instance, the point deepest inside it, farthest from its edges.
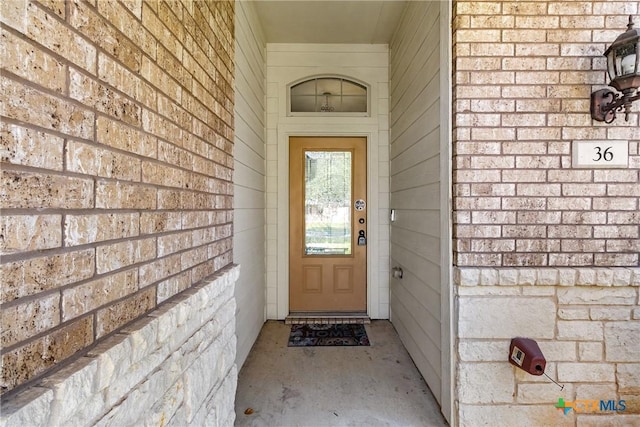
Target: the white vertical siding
(249, 177)
(416, 309)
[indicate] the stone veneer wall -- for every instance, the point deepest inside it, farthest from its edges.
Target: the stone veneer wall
(117, 160)
(175, 366)
(542, 249)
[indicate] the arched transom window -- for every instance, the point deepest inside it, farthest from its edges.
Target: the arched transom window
(328, 95)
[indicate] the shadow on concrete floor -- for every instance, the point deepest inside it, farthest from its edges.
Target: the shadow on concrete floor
(333, 386)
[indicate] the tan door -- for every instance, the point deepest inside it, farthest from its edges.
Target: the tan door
(327, 224)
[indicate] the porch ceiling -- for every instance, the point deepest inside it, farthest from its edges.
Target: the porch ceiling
(329, 21)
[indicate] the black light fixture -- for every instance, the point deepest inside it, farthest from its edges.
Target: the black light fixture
(326, 107)
(623, 67)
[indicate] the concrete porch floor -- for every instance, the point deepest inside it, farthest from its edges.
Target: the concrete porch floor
(333, 386)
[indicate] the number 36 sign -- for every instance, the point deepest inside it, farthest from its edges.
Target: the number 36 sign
(600, 154)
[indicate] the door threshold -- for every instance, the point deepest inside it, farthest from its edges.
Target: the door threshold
(298, 318)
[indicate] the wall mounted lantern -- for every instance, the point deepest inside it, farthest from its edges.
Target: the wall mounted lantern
(623, 68)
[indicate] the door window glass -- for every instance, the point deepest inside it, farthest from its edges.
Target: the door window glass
(327, 202)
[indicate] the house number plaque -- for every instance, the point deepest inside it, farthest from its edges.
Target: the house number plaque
(600, 154)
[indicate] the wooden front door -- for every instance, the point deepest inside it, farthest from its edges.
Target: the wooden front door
(327, 224)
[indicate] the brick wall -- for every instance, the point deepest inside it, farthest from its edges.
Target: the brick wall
(524, 72)
(542, 249)
(117, 157)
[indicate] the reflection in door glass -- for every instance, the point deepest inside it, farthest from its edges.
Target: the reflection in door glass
(327, 203)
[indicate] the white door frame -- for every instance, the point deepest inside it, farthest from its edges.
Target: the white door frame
(285, 131)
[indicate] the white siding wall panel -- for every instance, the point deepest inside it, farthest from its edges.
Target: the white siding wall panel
(249, 178)
(415, 187)
(413, 339)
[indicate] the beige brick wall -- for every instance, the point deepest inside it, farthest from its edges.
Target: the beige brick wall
(117, 159)
(524, 72)
(542, 249)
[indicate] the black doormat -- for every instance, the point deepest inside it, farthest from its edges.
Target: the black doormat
(341, 334)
